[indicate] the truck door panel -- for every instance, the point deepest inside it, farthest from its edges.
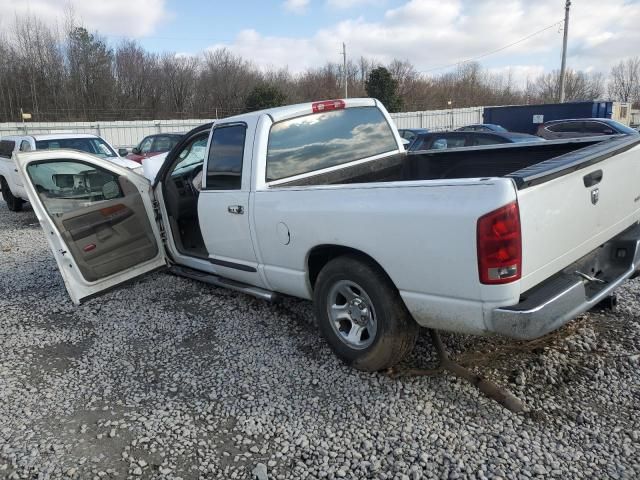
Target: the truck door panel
(100, 216)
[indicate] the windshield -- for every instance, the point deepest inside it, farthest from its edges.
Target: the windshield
(192, 154)
(624, 129)
(95, 146)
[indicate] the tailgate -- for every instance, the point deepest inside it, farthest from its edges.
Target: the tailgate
(572, 204)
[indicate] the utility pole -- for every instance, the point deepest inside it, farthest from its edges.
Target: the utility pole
(344, 70)
(563, 66)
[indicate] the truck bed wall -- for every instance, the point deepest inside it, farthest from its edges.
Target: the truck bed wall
(445, 164)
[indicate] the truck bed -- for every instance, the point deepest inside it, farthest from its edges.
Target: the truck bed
(525, 163)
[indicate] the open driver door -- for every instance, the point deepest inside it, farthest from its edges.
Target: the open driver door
(98, 218)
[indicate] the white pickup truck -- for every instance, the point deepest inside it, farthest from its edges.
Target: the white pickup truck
(320, 201)
(13, 191)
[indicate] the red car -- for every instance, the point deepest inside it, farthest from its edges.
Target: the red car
(154, 145)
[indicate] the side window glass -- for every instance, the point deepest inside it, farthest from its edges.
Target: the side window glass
(25, 146)
(65, 186)
(598, 128)
(486, 140)
(449, 142)
(567, 127)
(439, 144)
(224, 167)
(145, 146)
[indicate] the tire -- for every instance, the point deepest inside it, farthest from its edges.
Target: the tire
(14, 203)
(361, 314)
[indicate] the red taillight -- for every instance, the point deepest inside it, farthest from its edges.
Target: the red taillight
(327, 105)
(500, 245)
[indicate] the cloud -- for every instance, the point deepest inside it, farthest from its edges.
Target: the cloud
(434, 33)
(296, 6)
(134, 18)
(346, 4)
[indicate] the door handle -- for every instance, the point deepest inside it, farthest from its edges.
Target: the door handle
(235, 209)
(592, 178)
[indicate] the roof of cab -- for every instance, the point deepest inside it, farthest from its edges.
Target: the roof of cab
(50, 136)
(60, 136)
(290, 111)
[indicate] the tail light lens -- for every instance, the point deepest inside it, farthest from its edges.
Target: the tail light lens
(500, 245)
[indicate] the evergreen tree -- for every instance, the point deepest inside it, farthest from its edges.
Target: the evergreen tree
(264, 96)
(384, 87)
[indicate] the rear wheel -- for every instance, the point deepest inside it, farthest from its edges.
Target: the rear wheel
(14, 203)
(361, 314)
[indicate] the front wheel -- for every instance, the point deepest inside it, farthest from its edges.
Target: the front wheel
(14, 203)
(361, 314)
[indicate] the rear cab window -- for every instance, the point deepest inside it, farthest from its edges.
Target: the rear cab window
(318, 141)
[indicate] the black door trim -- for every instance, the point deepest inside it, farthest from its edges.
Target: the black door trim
(237, 266)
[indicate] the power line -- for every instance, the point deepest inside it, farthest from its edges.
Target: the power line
(523, 39)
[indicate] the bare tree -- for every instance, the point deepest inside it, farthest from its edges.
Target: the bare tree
(135, 72)
(624, 81)
(179, 79)
(578, 86)
(225, 82)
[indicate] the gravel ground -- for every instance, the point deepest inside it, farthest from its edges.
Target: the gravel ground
(174, 379)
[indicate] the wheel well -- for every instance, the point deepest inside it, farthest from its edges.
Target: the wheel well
(323, 254)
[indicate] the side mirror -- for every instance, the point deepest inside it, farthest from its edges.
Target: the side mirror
(135, 150)
(609, 132)
(123, 152)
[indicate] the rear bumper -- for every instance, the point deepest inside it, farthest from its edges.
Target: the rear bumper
(566, 295)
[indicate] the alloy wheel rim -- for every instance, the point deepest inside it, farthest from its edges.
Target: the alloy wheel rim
(351, 314)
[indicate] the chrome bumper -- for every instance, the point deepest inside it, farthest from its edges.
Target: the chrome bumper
(566, 295)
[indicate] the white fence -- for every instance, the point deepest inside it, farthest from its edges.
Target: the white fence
(119, 134)
(129, 133)
(439, 119)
